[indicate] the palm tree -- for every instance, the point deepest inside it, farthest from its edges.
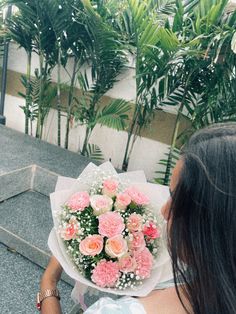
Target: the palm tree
(107, 60)
(59, 15)
(38, 27)
(152, 45)
(74, 44)
(21, 30)
(204, 67)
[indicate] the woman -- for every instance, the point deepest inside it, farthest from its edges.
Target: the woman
(201, 223)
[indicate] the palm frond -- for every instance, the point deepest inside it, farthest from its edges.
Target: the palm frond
(167, 165)
(94, 152)
(114, 115)
(107, 56)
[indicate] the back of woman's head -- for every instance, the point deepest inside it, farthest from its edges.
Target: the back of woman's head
(202, 229)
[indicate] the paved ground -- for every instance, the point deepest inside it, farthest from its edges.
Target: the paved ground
(18, 150)
(28, 216)
(20, 282)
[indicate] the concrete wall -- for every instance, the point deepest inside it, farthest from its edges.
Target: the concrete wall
(148, 150)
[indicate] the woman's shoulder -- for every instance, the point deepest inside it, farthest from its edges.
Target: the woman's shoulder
(165, 301)
(126, 305)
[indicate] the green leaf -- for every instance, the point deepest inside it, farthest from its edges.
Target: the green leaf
(94, 152)
(114, 115)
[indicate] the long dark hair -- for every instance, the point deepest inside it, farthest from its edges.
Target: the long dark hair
(202, 228)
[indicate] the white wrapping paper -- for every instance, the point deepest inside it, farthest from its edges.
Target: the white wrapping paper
(65, 188)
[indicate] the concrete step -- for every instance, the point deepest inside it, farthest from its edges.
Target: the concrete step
(28, 173)
(25, 213)
(20, 283)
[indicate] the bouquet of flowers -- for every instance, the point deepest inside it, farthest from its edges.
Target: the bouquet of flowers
(107, 233)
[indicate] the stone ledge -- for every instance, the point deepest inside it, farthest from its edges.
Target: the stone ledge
(21, 180)
(16, 184)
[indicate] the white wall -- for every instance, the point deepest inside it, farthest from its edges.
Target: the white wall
(146, 152)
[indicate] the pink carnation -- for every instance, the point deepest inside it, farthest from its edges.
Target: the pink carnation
(70, 230)
(110, 224)
(110, 187)
(78, 201)
(137, 197)
(137, 241)
(144, 260)
(106, 274)
(151, 231)
(91, 245)
(127, 264)
(134, 222)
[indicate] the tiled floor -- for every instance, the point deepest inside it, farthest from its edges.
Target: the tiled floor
(28, 215)
(19, 283)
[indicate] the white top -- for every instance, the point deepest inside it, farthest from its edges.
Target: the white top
(126, 305)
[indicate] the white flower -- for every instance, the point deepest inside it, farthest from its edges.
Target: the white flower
(101, 204)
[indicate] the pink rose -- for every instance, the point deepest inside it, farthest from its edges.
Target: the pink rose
(116, 246)
(106, 274)
(110, 187)
(70, 230)
(151, 231)
(91, 245)
(78, 201)
(110, 224)
(101, 204)
(122, 201)
(137, 197)
(134, 222)
(137, 241)
(144, 260)
(127, 264)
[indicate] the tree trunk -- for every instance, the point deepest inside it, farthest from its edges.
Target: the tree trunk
(85, 145)
(28, 96)
(172, 147)
(70, 99)
(125, 163)
(59, 98)
(40, 93)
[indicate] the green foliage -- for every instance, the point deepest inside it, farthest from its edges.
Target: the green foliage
(204, 67)
(107, 59)
(183, 53)
(114, 115)
(153, 46)
(106, 53)
(38, 111)
(168, 164)
(94, 152)
(3, 36)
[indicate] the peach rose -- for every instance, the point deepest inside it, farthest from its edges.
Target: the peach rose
(110, 224)
(78, 201)
(101, 204)
(116, 246)
(137, 197)
(127, 263)
(110, 187)
(134, 223)
(137, 241)
(70, 230)
(122, 201)
(91, 245)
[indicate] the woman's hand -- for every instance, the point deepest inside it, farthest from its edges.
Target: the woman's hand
(50, 278)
